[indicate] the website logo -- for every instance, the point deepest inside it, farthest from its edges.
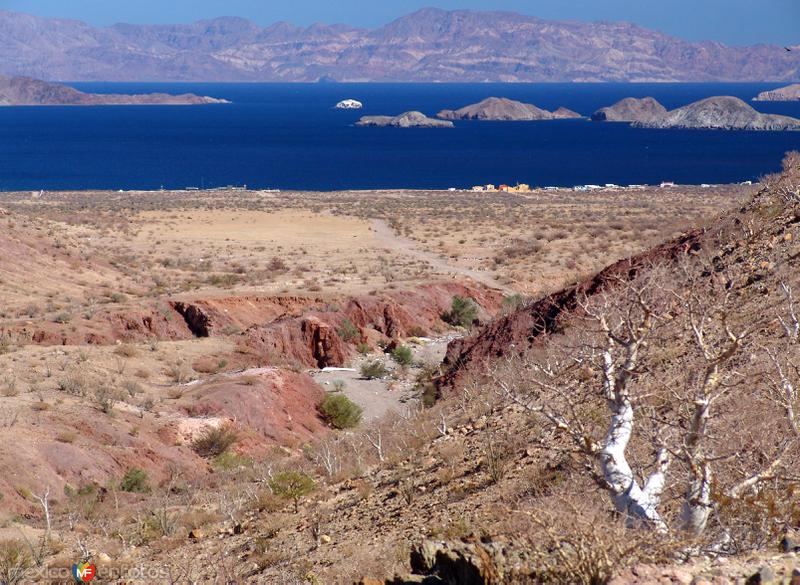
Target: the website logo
(84, 572)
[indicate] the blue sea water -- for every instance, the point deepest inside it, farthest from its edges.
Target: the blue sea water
(288, 136)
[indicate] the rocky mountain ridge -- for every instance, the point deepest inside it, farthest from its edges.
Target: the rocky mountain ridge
(428, 45)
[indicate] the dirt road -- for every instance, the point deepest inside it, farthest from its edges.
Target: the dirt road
(387, 236)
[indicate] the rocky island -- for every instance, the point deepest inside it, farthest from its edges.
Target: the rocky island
(790, 93)
(504, 109)
(406, 120)
(26, 91)
(631, 110)
(721, 113)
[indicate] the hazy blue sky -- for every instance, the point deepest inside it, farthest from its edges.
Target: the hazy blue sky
(731, 21)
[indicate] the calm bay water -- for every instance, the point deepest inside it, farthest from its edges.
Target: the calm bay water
(288, 136)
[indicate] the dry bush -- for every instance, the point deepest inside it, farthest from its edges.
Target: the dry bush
(15, 560)
(126, 350)
(215, 441)
(574, 544)
(75, 384)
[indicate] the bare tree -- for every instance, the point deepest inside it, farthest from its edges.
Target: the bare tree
(671, 359)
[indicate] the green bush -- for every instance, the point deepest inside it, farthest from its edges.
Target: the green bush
(363, 348)
(373, 369)
(340, 412)
(463, 312)
(348, 331)
(402, 355)
(292, 485)
(513, 302)
(134, 480)
(215, 441)
(230, 461)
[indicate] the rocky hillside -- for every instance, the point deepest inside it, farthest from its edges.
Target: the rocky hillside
(504, 109)
(631, 110)
(428, 45)
(789, 93)
(25, 91)
(721, 113)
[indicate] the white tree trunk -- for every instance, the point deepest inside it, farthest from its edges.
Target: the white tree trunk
(697, 503)
(628, 497)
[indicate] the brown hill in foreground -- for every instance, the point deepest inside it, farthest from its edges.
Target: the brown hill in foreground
(594, 436)
(428, 45)
(26, 91)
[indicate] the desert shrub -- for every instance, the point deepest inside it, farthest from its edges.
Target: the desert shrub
(126, 350)
(417, 331)
(66, 437)
(132, 387)
(402, 355)
(277, 265)
(497, 457)
(5, 343)
(105, 398)
(63, 318)
(373, 369)
(513, 302)
(348, 331)
(135, 480)
(292, 485)
(230, 460)
(463, 312)
(582, 547)
(340, 412)
(339, 385)
(179, 372)
(15, 559)
(74, 385)
(9, 387)
(215, 441)
(425, 387)
(363, 348)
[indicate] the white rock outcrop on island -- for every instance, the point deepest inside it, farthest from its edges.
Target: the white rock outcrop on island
(406, 120)
(504, 109)
(349, 105)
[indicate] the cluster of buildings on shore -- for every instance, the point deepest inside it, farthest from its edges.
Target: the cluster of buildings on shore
(524, 188)
(518, 188)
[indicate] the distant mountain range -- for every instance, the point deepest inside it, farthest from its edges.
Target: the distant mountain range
(428, 45)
